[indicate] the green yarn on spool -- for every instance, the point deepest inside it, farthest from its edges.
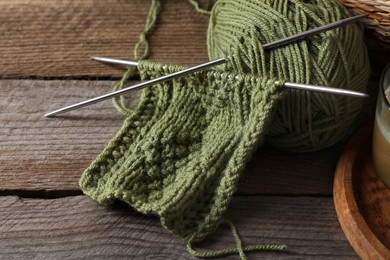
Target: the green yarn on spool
(336, 58)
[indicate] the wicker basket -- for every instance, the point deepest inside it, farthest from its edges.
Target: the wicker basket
(379, 15)
(377, 25)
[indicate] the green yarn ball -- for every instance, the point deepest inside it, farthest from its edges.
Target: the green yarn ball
(337, 58)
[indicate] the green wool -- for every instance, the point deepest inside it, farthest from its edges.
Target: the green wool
(180, 154)
(337, 58)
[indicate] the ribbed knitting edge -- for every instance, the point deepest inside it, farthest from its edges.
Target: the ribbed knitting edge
(249, 144)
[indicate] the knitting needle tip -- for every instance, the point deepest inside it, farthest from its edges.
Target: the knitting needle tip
(115, 61)
(314, 31)
(328, 90)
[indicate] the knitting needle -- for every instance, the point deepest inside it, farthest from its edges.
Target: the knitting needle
(215, 63)
(314, 31)
(139, 86)
(329, 90)
(116, 61)
(337, 91)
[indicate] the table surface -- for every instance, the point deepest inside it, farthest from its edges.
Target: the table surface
(45, 48)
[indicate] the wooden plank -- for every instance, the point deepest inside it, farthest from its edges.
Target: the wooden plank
(276, 172)
(49, 154)
(38, 153)
(47, 38)
(76, 227)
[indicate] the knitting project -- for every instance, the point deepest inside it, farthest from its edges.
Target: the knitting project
(179, 155)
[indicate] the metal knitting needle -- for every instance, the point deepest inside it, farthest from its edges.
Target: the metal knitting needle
(314, 31)
(337, 91)
(139, 86)
(116, 61)
(300, 86)
(328, 90)
(215, 63)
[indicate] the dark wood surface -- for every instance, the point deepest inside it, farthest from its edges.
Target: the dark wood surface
(45, 48)
(75, 226)
(46, 38)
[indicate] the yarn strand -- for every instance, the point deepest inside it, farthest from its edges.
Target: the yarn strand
(143, 47)
(239, 249)
(199, 9)
(150, 22)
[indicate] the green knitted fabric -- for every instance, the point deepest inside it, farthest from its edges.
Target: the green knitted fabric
(179, 156)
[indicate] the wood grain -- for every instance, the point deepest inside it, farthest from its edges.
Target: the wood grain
(45, 38)
(362, 200)
(38, 153)
(48, 155)
(78, 227)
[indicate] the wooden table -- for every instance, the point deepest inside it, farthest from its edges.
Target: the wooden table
(45, 48)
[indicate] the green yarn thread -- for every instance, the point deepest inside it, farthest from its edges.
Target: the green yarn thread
(239, 249)
(179, 155)
(142, 47)
(200, 9)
